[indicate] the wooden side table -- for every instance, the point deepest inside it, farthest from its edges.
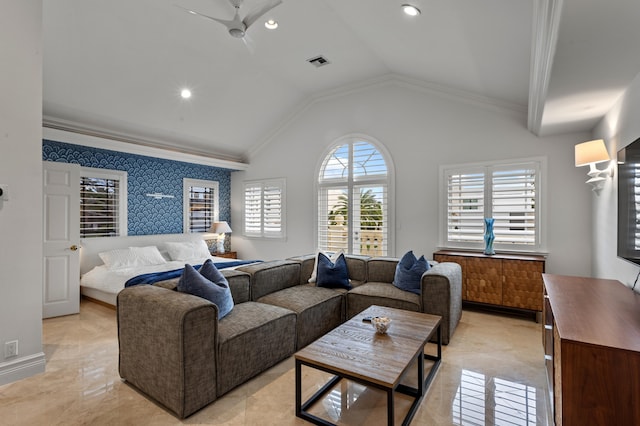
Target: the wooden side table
(227, 254)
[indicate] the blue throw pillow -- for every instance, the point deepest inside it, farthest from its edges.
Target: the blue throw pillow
(217, 292)
(332, 274)
(210, 272)
(409, 272)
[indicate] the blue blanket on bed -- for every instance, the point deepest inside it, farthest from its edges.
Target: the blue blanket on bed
(155, 277)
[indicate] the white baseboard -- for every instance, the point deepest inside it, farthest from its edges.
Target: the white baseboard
(21, 368)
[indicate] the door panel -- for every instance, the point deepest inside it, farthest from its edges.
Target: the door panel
(61, 263)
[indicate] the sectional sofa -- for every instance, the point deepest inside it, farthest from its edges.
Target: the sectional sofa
(174, 349)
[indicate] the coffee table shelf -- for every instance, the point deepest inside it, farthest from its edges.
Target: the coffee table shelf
(354, 351)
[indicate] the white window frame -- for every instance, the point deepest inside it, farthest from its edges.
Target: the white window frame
(187, 184)
(121, 177)
(351, 183)
(487, 169)
(263, 231)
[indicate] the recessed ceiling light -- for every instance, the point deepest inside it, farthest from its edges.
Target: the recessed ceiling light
(185, 93)
(271, 24)
(410, 10)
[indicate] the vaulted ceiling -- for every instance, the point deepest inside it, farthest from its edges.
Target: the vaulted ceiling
(116, 67)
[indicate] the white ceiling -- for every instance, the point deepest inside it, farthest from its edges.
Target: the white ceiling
(116, 67)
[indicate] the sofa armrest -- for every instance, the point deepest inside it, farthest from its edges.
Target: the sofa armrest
(442, 295)
(168, 346)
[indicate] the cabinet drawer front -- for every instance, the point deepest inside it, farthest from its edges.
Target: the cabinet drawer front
(522, 284)
(484, 280)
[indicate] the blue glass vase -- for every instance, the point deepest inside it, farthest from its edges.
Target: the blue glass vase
(488, 236)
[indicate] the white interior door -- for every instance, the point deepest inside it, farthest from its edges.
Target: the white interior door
(61, 293)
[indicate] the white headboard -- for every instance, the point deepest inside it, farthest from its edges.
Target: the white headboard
(90, 247)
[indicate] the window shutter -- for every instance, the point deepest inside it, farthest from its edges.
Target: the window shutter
(264, 209)
(99, 207)
(201, 208)
(272, 212)
(465, 206)
(507, 192)
(353, 198)
(199, 204)
(253, 210)
(514, 204)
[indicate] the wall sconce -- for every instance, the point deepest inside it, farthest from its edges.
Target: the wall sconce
(591, 153)
(220, 228)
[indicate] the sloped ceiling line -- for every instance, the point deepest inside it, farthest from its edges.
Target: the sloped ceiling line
(389, 79)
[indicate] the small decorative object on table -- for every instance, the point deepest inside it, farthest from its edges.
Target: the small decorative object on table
(381, 324)
(488, 236)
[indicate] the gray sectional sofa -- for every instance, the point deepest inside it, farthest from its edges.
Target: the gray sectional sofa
(175, 350)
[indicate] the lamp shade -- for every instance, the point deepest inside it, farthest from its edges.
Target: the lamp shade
(591, 152)
(220, 228)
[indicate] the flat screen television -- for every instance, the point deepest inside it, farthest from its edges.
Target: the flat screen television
(629, 202)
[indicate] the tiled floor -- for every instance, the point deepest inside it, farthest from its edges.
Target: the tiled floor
(492, 374)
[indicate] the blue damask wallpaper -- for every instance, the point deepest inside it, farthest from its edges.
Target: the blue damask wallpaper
(146, 215)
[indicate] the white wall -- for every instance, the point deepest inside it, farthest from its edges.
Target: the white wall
(21, 169)
(618, 128)
(422, 130)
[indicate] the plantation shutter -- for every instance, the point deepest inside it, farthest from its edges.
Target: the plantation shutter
(99, 207)
(253, 210)
(514, 191)
(199, 204)
(508, 193)
(201, 207)
(465, 206)
(264, 209)
(353, 200)
(272, 212)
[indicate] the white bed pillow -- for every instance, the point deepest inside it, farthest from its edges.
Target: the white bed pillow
(132, 256)
(332, 257)
(188, 250)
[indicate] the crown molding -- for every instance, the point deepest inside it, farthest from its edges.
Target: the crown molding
(546, 22)
(415, 84)
(63, 131)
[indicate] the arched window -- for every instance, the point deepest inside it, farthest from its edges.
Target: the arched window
(354, 203)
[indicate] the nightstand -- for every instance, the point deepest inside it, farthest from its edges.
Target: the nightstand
(227, 254)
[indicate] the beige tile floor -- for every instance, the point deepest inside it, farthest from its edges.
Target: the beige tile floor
(492, 374)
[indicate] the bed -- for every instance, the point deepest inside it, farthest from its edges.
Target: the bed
(107, 264)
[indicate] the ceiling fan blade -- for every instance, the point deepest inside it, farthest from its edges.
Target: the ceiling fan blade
(227, 23)
(254, 15)
(248, 43)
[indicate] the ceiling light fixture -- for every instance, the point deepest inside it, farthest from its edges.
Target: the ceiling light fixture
(410, 10)
(271, 24)
(185, 93)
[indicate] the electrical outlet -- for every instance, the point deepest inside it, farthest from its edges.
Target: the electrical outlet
(11, 349)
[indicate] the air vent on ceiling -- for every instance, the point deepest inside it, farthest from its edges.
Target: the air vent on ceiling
(318, 61)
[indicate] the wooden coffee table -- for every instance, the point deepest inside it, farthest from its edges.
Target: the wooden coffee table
(354, 351)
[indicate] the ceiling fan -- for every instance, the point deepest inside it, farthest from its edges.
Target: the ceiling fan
(238, 27)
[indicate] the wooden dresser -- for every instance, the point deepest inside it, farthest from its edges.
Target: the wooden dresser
(503, 280)
(591, 340)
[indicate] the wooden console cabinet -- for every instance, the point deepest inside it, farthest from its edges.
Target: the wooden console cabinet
(591, 340)
(227, 254)
(504, 280)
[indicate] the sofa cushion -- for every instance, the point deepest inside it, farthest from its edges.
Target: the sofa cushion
(383, 294)
(409, 272)
(253, 337)
(217, 292)
(267, 277)
(319, 309)
(332, 274)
